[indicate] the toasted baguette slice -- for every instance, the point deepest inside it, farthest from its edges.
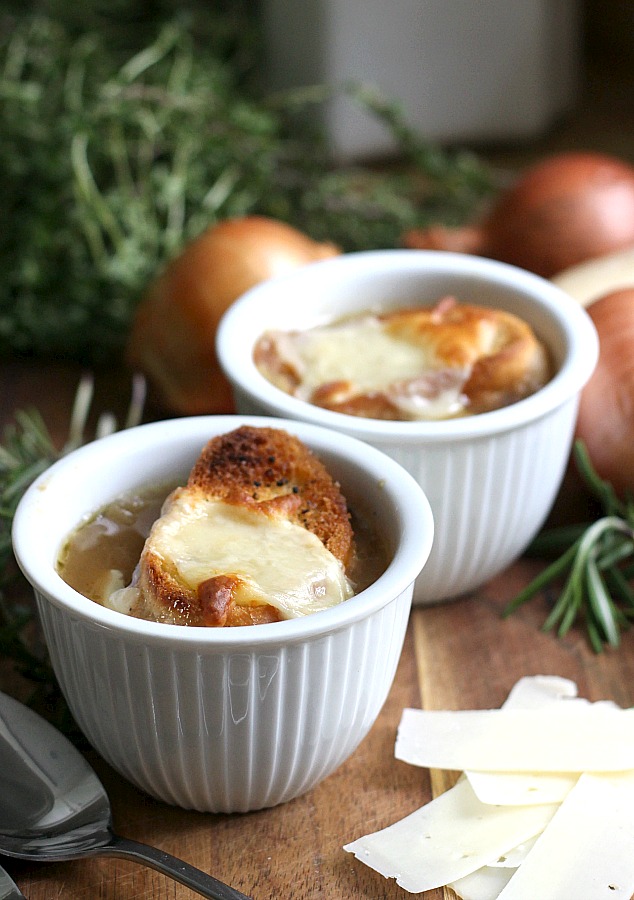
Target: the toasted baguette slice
(260, 532)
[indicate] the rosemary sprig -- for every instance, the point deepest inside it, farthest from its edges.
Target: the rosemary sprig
(596, 565)
(28, 450)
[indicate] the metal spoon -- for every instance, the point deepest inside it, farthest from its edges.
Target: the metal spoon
(8, 888)
(53, 806)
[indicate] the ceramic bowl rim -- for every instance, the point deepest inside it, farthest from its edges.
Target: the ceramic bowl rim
(581, 351)
(412, 553)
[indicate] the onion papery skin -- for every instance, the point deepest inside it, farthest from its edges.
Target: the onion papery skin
(563, 210)
(606, 410)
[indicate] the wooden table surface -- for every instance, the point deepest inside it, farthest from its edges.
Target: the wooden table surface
(457, 655)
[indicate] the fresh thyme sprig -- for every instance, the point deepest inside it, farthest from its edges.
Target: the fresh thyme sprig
(116, 153)
(595, 563)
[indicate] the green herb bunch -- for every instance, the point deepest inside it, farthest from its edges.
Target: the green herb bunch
(113, 156)
(107, 171)
(27, 450)
(595, 562)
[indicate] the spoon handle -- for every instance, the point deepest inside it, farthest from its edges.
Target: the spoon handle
(8, 888)
(203, 884)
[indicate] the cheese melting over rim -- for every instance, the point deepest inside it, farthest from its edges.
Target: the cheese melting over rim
(278, 562)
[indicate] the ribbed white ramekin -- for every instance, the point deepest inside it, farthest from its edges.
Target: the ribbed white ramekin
(222, 719)
(491, 479)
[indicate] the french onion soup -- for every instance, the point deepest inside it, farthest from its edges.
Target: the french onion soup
(426, 363)
(260, 532)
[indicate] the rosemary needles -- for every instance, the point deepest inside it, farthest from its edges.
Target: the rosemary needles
(595, 562)
(26, 451)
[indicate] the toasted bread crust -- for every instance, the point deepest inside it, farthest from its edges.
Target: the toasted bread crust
(266, 470)
(271, 470)
(506, 360)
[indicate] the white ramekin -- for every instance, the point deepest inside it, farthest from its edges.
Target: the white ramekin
(221, 719)
(491, 479)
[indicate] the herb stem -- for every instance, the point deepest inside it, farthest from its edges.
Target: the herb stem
(27, 451)
(554, 570)
(90, 194)
(596, 581)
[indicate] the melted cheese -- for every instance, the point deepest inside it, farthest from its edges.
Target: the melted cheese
(280, 563)
(364, 354)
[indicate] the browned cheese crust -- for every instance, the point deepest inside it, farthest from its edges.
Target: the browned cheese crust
(500, 353)
(266, 470)
(506, 359)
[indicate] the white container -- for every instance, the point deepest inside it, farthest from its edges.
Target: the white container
(221, 719)
(461, 70)
(491, 479)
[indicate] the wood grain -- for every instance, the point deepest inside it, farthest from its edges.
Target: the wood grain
(457, 655)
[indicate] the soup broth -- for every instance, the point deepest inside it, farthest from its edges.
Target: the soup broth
(100, 556)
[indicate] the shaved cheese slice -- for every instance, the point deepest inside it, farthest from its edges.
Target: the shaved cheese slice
(484, 884)
(562, 737)
(447, 839)
(517, 789)
(521, 788)
(511, 788)
(535, 691)
(585, 852)
(516, 856)
(583, 847)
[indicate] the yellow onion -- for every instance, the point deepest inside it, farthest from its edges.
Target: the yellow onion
(563, 210)
(606, 410)
(172, 339)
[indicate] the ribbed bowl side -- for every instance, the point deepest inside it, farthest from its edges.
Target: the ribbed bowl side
(226, 731)
(489, 497)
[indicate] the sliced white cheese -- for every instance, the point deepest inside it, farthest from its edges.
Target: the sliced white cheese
(516, 856)
(563, 737)
(517, 789)
(535, 691)
(521, 788)
(279, 562)
(447, 839)
(587, 850)
(584, 848)
(483, 884)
